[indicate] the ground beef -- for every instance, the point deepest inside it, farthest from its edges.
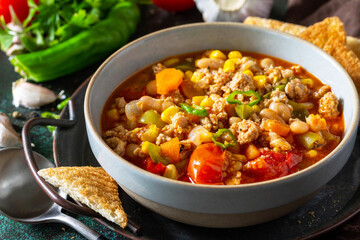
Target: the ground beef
(120, 104)
(119, 132)
(328, 105)
(246, 131)
(179, 126)
(174, 97)
(241, 82)
(321, 92)
(276, 96)
(296, 90)
(117, 145)
(158, 68)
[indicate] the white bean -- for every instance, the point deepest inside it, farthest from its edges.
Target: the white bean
(270, 114)
(210, 62)
(233, 120)
(151, 88)
(281, 109)
(266, 63)
(299, 127)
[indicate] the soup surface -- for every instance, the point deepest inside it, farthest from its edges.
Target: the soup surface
(222, 117)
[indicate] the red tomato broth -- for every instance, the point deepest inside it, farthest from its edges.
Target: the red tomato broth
(134, 87)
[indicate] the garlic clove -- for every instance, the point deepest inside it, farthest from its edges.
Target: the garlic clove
(31, 95)
(8, 135)
(233, 10)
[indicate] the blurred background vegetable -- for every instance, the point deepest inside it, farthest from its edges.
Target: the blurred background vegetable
(60, 37)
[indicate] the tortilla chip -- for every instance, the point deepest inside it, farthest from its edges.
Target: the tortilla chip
(350, 62)
(353, 44)
(274, 24)
(327, 34)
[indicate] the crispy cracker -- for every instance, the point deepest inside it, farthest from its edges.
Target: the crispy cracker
(328, 34)
(353, 44)
(91, 186)
(274, 24)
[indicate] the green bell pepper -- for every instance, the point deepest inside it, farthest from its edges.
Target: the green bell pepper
(195, 110)
(84, 49)
(231, 98)
(226, 144)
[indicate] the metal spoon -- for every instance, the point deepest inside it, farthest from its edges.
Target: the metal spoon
(21, 198)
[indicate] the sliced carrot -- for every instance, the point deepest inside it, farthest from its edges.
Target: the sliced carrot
(275, 126)
(171, 149)
(168, 80)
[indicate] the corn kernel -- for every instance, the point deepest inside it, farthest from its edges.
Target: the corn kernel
(196, 76)
(188, 74)
(234, 54)
(207, 102)
(239, 157)
(277, 149)
(229, 66)
(197, 99)
(256, 108)
(113, 114)
(145, 147)
(308, 81)
(311, 153)
(150, 134)
(171, 172)
(217, 54)
(235, 60)
(260, 81)
(168, 113)
(171, 62)
(248, 72)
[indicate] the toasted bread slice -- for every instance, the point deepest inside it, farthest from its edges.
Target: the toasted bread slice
(91, 186)
(328, 34)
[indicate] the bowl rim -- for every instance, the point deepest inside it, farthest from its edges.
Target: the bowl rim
(353, 124)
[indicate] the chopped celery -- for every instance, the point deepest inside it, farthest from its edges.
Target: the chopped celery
(155, 154)
(244, 111)
(310, 140)
(152, 117)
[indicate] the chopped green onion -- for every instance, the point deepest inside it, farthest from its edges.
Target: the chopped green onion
(267, 95)
(49, 115)
(231, 98)
(61, 105)
(281, 87)
(194, 110)
(226, 144)
(186, 66)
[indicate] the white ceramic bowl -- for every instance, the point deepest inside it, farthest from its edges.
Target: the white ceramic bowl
(219, 206)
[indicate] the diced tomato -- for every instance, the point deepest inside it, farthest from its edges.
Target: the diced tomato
(149, 164)
(207, 163)
(158, 169)
(20, 7)
(293, 158)
(174, 5)
(268, 166)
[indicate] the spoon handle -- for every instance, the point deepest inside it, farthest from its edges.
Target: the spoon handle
(79, 227)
